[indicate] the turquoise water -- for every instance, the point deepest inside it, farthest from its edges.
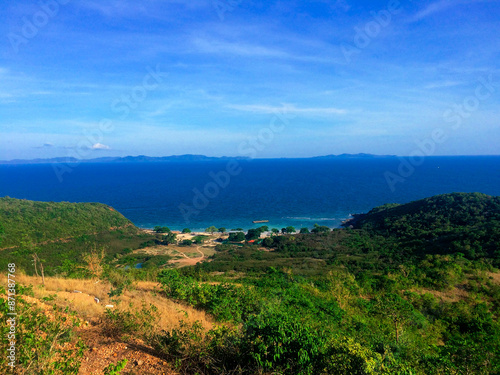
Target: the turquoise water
(298, 192)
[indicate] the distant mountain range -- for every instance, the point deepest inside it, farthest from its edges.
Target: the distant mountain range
(173, 158)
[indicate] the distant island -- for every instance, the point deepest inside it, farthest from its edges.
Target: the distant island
(353, 156)
(172, 158)
(125, 159)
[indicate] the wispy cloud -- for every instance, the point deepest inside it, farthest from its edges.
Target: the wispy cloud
(442, 5)
(241, 49)
(45, 146)
(246, 49)
(152, 8)
(288, 108)
(443, 84)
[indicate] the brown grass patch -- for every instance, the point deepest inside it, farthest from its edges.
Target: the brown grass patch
(495, 276)
(453, 295)
(170, 313)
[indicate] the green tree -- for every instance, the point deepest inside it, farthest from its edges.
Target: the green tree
(304, 230)
(186, 242)
(222, 230)
(237, 237)
(199, 239)
(170, 238)
(159, 229)
(252, 234)
(211, 229)
(186, 230)
(320, 229)
(264, 228)
(398, 310)
(290, 229)
(268, 242)
(275, 230)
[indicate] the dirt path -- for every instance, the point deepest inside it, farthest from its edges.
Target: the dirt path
(187, 261)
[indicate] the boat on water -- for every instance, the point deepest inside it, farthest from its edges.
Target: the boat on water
(260, 221)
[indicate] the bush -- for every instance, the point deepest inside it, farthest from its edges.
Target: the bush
(118, 323)
(41, 341)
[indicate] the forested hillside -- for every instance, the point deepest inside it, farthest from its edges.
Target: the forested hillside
(46, 221)
(62, 233)
(468, 223)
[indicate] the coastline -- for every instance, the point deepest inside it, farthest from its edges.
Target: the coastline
(245, 224)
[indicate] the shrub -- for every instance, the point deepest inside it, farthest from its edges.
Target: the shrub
(41, 340)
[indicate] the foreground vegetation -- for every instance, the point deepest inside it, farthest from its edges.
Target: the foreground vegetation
(405, 289)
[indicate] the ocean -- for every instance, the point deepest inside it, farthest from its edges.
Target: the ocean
(297, 192)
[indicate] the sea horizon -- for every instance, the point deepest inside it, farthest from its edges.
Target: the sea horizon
(296, 192)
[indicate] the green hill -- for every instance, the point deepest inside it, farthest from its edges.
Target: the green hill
(61, 233)
(48, 221)
(441, 213)
(459, 222)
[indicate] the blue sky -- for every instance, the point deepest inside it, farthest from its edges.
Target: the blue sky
(92, 78)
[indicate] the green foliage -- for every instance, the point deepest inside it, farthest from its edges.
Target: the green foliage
(224, 301)
(445, 224)
(304, 230)
(186, 230)
(44, 221)
(170, 238)
(222, 230)
(118, 323)
(211, 229)
(186, 242)
(253, 234)
(159, 229)
(236, 237)
(320, 229)
(113, 369)
(41, 340)
(200, 239)
(62, 233)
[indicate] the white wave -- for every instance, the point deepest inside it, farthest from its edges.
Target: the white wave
(311, 218)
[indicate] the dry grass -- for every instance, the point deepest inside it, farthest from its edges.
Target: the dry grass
(452, 295)
(169, 312)
(495, 276)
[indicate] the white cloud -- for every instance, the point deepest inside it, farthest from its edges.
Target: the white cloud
(100, 146)
(290, 109)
